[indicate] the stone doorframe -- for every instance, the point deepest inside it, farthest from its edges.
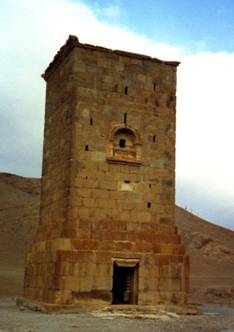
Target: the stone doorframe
(132, 269)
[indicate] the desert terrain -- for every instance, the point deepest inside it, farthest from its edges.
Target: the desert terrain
(210, 247)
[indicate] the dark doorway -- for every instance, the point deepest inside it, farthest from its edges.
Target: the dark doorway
(124, 285)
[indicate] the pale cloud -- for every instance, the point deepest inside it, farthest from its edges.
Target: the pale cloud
(112, 11)
(205, 121)
(31, 33)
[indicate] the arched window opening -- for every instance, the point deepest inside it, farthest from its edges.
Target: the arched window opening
(124, 146)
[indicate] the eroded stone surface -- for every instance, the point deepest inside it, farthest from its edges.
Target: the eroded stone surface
(108, 183)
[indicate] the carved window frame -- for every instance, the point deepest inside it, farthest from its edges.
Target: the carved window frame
(124, 155)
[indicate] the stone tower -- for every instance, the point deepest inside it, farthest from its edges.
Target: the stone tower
(107, 229)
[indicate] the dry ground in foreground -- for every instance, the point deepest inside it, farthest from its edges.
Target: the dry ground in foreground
(12, 319)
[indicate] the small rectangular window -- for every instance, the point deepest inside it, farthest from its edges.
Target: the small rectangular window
(125, 118)
(122, 143)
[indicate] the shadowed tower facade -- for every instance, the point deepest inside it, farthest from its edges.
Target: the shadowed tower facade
(107, 229)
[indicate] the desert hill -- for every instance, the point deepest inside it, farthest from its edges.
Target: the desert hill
(211, 251)
(211, 248)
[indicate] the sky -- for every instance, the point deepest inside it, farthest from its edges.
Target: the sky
(198, 33)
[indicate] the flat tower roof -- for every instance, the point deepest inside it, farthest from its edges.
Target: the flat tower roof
(73, 42)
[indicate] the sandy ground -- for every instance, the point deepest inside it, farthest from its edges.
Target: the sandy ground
(211, 318)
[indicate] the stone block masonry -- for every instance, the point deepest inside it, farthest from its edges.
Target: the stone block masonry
(107, 229)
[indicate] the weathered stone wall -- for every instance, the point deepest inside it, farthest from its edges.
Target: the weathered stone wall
(60, 105)
(108, 187)
(96, 187)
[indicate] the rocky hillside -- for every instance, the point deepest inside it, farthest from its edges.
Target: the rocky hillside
(211, 251)
(211, 248)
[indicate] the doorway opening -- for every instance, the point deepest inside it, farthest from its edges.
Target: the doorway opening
(125, 284)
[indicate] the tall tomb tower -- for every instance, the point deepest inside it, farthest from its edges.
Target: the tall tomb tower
(107, 231)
